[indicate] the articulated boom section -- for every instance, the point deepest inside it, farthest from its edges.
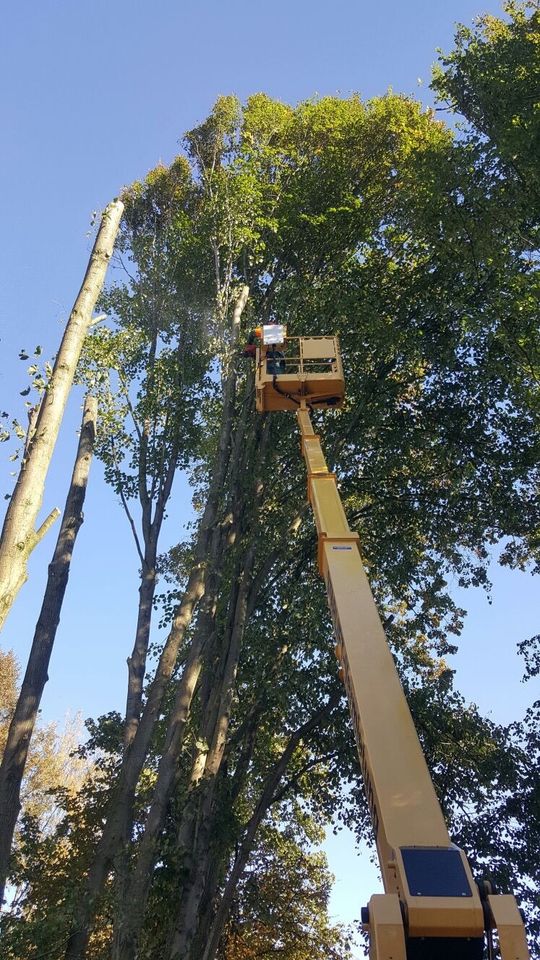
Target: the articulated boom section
(431, 908)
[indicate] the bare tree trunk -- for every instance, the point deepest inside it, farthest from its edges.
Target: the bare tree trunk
(35, 678)
(19, 537)
(137, 661)
(152, 515)
(151, 531)
(120, 812)
(187, 921)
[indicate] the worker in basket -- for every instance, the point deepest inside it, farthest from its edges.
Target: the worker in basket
(250, 348)
(275, 359)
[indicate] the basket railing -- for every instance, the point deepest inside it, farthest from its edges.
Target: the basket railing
(295, 363)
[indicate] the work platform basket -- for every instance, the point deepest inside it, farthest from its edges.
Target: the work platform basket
(296, 369)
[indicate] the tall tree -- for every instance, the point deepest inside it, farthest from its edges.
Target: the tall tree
(152, 376)
(120, 813)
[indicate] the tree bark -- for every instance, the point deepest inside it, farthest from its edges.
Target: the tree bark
(202, 815)
(151, 531)
(137, 661)
(35, 678)
(130, 920)
(19, 537)
(153, 503)
(142, 876)
(120, 812)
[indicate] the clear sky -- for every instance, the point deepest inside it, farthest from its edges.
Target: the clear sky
(94, 95)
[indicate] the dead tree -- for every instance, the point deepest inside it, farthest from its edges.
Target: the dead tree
(19, 536)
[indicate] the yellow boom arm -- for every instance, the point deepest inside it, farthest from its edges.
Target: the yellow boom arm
(431, 908)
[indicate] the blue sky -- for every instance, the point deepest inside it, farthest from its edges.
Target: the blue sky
(94, 95)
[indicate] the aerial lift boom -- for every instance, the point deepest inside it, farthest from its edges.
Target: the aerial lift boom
(431, 909)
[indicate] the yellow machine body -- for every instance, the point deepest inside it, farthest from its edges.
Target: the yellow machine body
(307, 367)
(431, 908)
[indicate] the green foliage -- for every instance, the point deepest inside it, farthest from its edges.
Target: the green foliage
(150, 368)
(51, 761)
(11, 429)
(47, 872)
(282, 904)
(42, 871)
(491, 78)
(370, 220)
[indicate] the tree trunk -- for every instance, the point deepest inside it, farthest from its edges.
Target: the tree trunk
(218, 709)
(120, 812)
(216, 700)
(200, 854)
(35, 678)
(151, 529)
(138, 888)
(137, 661)
(267, 796)
(143, 871)
(19, 537)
